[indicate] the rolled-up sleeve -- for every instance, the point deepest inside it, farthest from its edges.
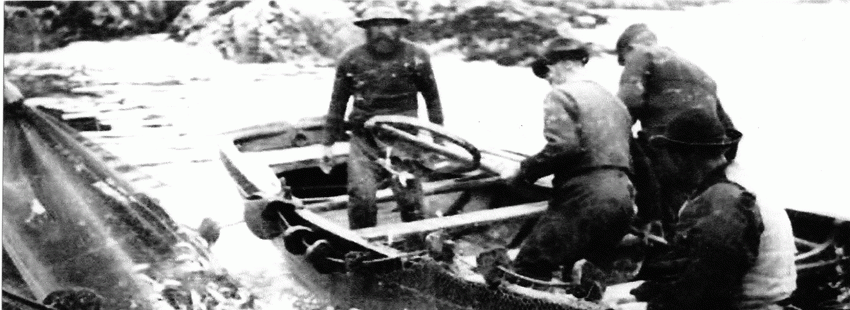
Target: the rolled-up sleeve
(342, 91)
(427, 85)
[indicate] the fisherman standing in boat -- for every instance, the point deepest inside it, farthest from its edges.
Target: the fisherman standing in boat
(384, 76)
(587, 130)
(657, 84)
(728, 251)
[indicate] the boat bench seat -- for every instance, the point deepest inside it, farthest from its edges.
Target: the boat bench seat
(463, 220)
(296, 157)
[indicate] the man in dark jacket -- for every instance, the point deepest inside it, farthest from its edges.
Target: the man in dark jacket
(383, 76)
(587, 130)
(728, 252)
(656, 85)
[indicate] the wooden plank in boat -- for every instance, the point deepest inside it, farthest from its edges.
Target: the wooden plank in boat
(384, 195)
(345, 233)
(454, 221)
(295, 154)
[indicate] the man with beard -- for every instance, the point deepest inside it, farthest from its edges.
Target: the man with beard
(656, 85)
(587, 130)
(383, 76)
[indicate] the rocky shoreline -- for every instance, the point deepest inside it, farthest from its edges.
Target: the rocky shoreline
(285, 31)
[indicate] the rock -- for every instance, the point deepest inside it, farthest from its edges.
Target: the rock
(265, 31)
(328, 25)
(270, 31)
(45, 25)
(584, 21)
(209, 230)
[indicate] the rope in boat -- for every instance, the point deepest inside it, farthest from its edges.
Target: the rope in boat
(557, 284)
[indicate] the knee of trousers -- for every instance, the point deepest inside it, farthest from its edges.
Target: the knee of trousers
(358, 196)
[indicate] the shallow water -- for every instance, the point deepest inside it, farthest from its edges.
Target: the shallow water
(781, 71)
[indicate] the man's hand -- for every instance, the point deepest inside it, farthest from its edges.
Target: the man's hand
(619, 296)
(510, 174)
(327, 162)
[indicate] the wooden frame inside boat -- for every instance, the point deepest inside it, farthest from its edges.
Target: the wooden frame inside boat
(476, 212)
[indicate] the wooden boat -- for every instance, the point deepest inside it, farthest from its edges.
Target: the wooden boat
(80, 229)
(474, 222)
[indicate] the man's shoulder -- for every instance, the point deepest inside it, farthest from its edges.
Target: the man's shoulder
(641, 51)
(352, 53)
(586, 87)
(655, 49)
(726, 192)
(665, 54)
(416, 51)
(654, 52)
(559, 93)
(414, 47)
(411, 49)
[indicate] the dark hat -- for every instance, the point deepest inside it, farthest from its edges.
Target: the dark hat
(636, 33)
(560, 49)
(382, 10)
(696, 128)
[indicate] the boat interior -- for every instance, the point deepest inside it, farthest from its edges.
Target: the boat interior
(474, 210)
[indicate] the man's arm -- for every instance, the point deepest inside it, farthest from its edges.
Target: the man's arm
(633, 81)
(427, 85)
(714, 253)
(562, 140)
(339, 100)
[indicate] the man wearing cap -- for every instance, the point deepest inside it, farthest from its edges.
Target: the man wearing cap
(383, 76)
(656, 85)
(587, 131)
(728, 251)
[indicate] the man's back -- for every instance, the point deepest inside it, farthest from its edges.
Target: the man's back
(602, 122)
(657, 84)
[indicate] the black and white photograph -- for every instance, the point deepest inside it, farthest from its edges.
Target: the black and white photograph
(426, 155)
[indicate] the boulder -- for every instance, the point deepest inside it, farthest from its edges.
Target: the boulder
(43, 25)
(270, 31)
(328, 25)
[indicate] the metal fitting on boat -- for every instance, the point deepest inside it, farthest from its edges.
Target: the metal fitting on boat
(295, 239)
(318, 254)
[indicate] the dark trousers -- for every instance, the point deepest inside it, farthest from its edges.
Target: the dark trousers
(659, 197)
(587, 218)
(365, 176)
